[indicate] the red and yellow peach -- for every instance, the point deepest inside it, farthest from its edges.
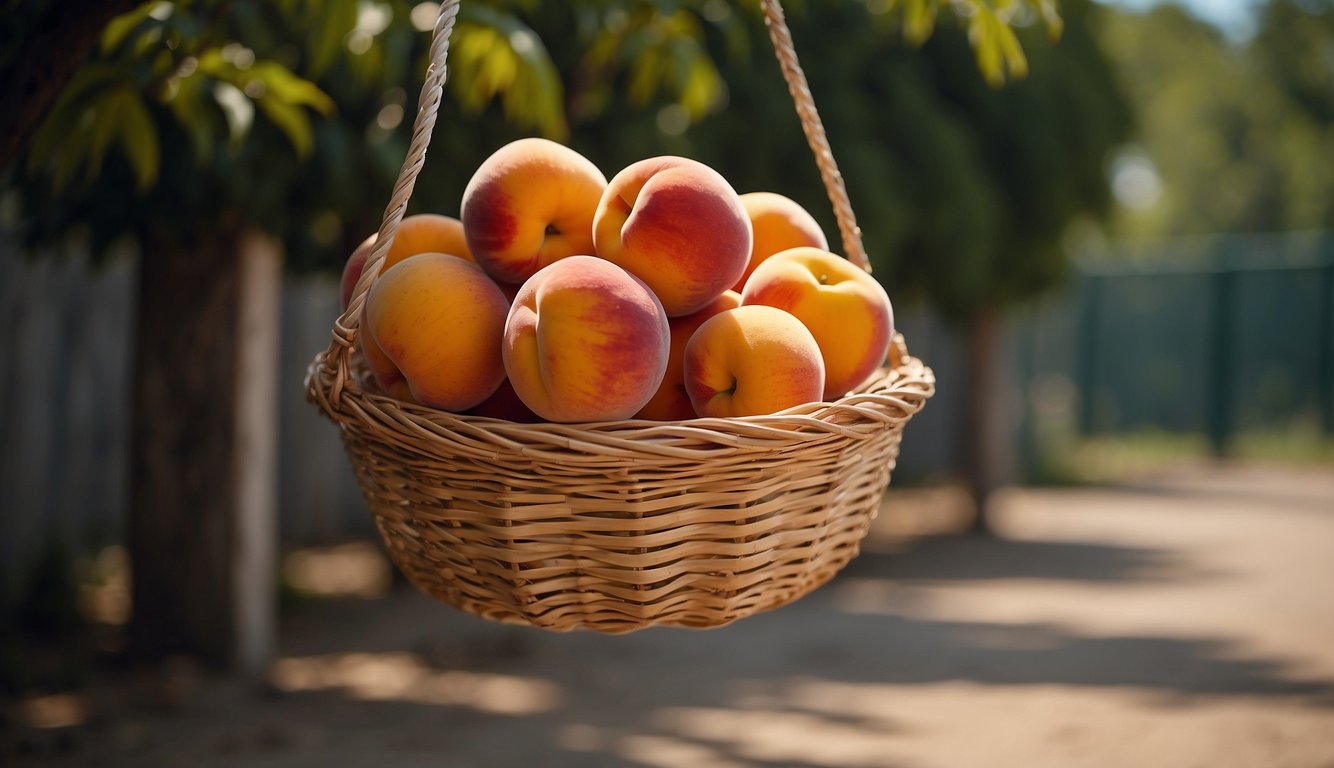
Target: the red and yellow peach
(677, 225)
(752, 360)
(434, 322)
(671, 402)
(528, 205)
(585, 341)
(846, 310)
(779, 223)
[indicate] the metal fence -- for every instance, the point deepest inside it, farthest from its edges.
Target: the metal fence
(1217, 336)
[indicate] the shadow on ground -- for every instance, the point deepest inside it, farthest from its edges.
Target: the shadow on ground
(402, 681)
(751, 693)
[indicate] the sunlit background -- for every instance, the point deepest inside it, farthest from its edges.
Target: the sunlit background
(1114, 246)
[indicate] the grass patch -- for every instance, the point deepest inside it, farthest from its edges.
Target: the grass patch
(1102, 459)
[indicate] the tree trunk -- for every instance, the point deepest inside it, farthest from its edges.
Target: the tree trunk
(182, 528)
(982, 432)
(254, 567)
(52, 50)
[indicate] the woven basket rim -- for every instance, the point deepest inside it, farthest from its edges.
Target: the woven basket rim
(891, 394)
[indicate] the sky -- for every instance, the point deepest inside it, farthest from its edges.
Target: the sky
(1235, 17)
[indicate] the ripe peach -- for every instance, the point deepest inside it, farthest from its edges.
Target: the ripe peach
(439, 321)
(387, 375)
(585, 341)
(505, 404)
(419, 233)
(529, 204)
(752, 360)
(846, 310)
(779, 223)
(677, 225)
(671, 402)
(352, 270)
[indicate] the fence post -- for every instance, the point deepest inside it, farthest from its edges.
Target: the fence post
(1221, 331)
(1325, 336)
(1089, 316)
(254, 566)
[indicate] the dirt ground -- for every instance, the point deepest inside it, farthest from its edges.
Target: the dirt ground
(1185, 620)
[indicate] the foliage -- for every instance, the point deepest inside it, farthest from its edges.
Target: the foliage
(990, 26)
(963, 191)
(294, 114)
(1234, 130)
(289, 114)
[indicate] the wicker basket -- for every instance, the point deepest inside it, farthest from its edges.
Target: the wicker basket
(617, 526)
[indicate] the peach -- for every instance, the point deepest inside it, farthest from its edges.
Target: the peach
(439, 321)
(678, 226)
(585, 341)
(529, 204)
(779, 223)
(387, 375)
(505, 404)
(352, 269)
(752, 360)
(845, 308)
(671, 402)
(419, 233)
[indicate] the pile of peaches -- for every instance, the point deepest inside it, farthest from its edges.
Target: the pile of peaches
(662, 294)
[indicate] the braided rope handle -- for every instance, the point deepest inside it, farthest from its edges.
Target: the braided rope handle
(811, 124)
(344, 334)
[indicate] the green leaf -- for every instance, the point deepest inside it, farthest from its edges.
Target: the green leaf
(291, 120)
(919, 19)
(105, 125)
(195, 114)
(645, 74)
(1015, 60)
(496, 54)
(62, 143)
(982, 33)
(212, 63)
(702, 88)
(337, 19)
(283, 84)
(138, 137)
(1050, 16)
(120, 27)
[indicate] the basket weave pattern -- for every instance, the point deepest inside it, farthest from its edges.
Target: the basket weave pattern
(621, 525)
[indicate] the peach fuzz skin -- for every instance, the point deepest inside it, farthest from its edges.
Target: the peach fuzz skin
(678, 226)
(419, 233)
(528, 205)
(846, 310)
(438, 321)
(387, 376)
(752, 361)
(671, 402)
(585, 341)
(779, 223)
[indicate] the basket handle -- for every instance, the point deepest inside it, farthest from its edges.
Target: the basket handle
(338, 356)
(811, 124)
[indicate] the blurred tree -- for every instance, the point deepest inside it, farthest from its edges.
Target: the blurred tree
(1293, 44)
(196, 125)
(1294, 50)
(1230, 131)
(41, 45)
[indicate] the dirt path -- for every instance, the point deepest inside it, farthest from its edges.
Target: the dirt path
(1185, 621)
